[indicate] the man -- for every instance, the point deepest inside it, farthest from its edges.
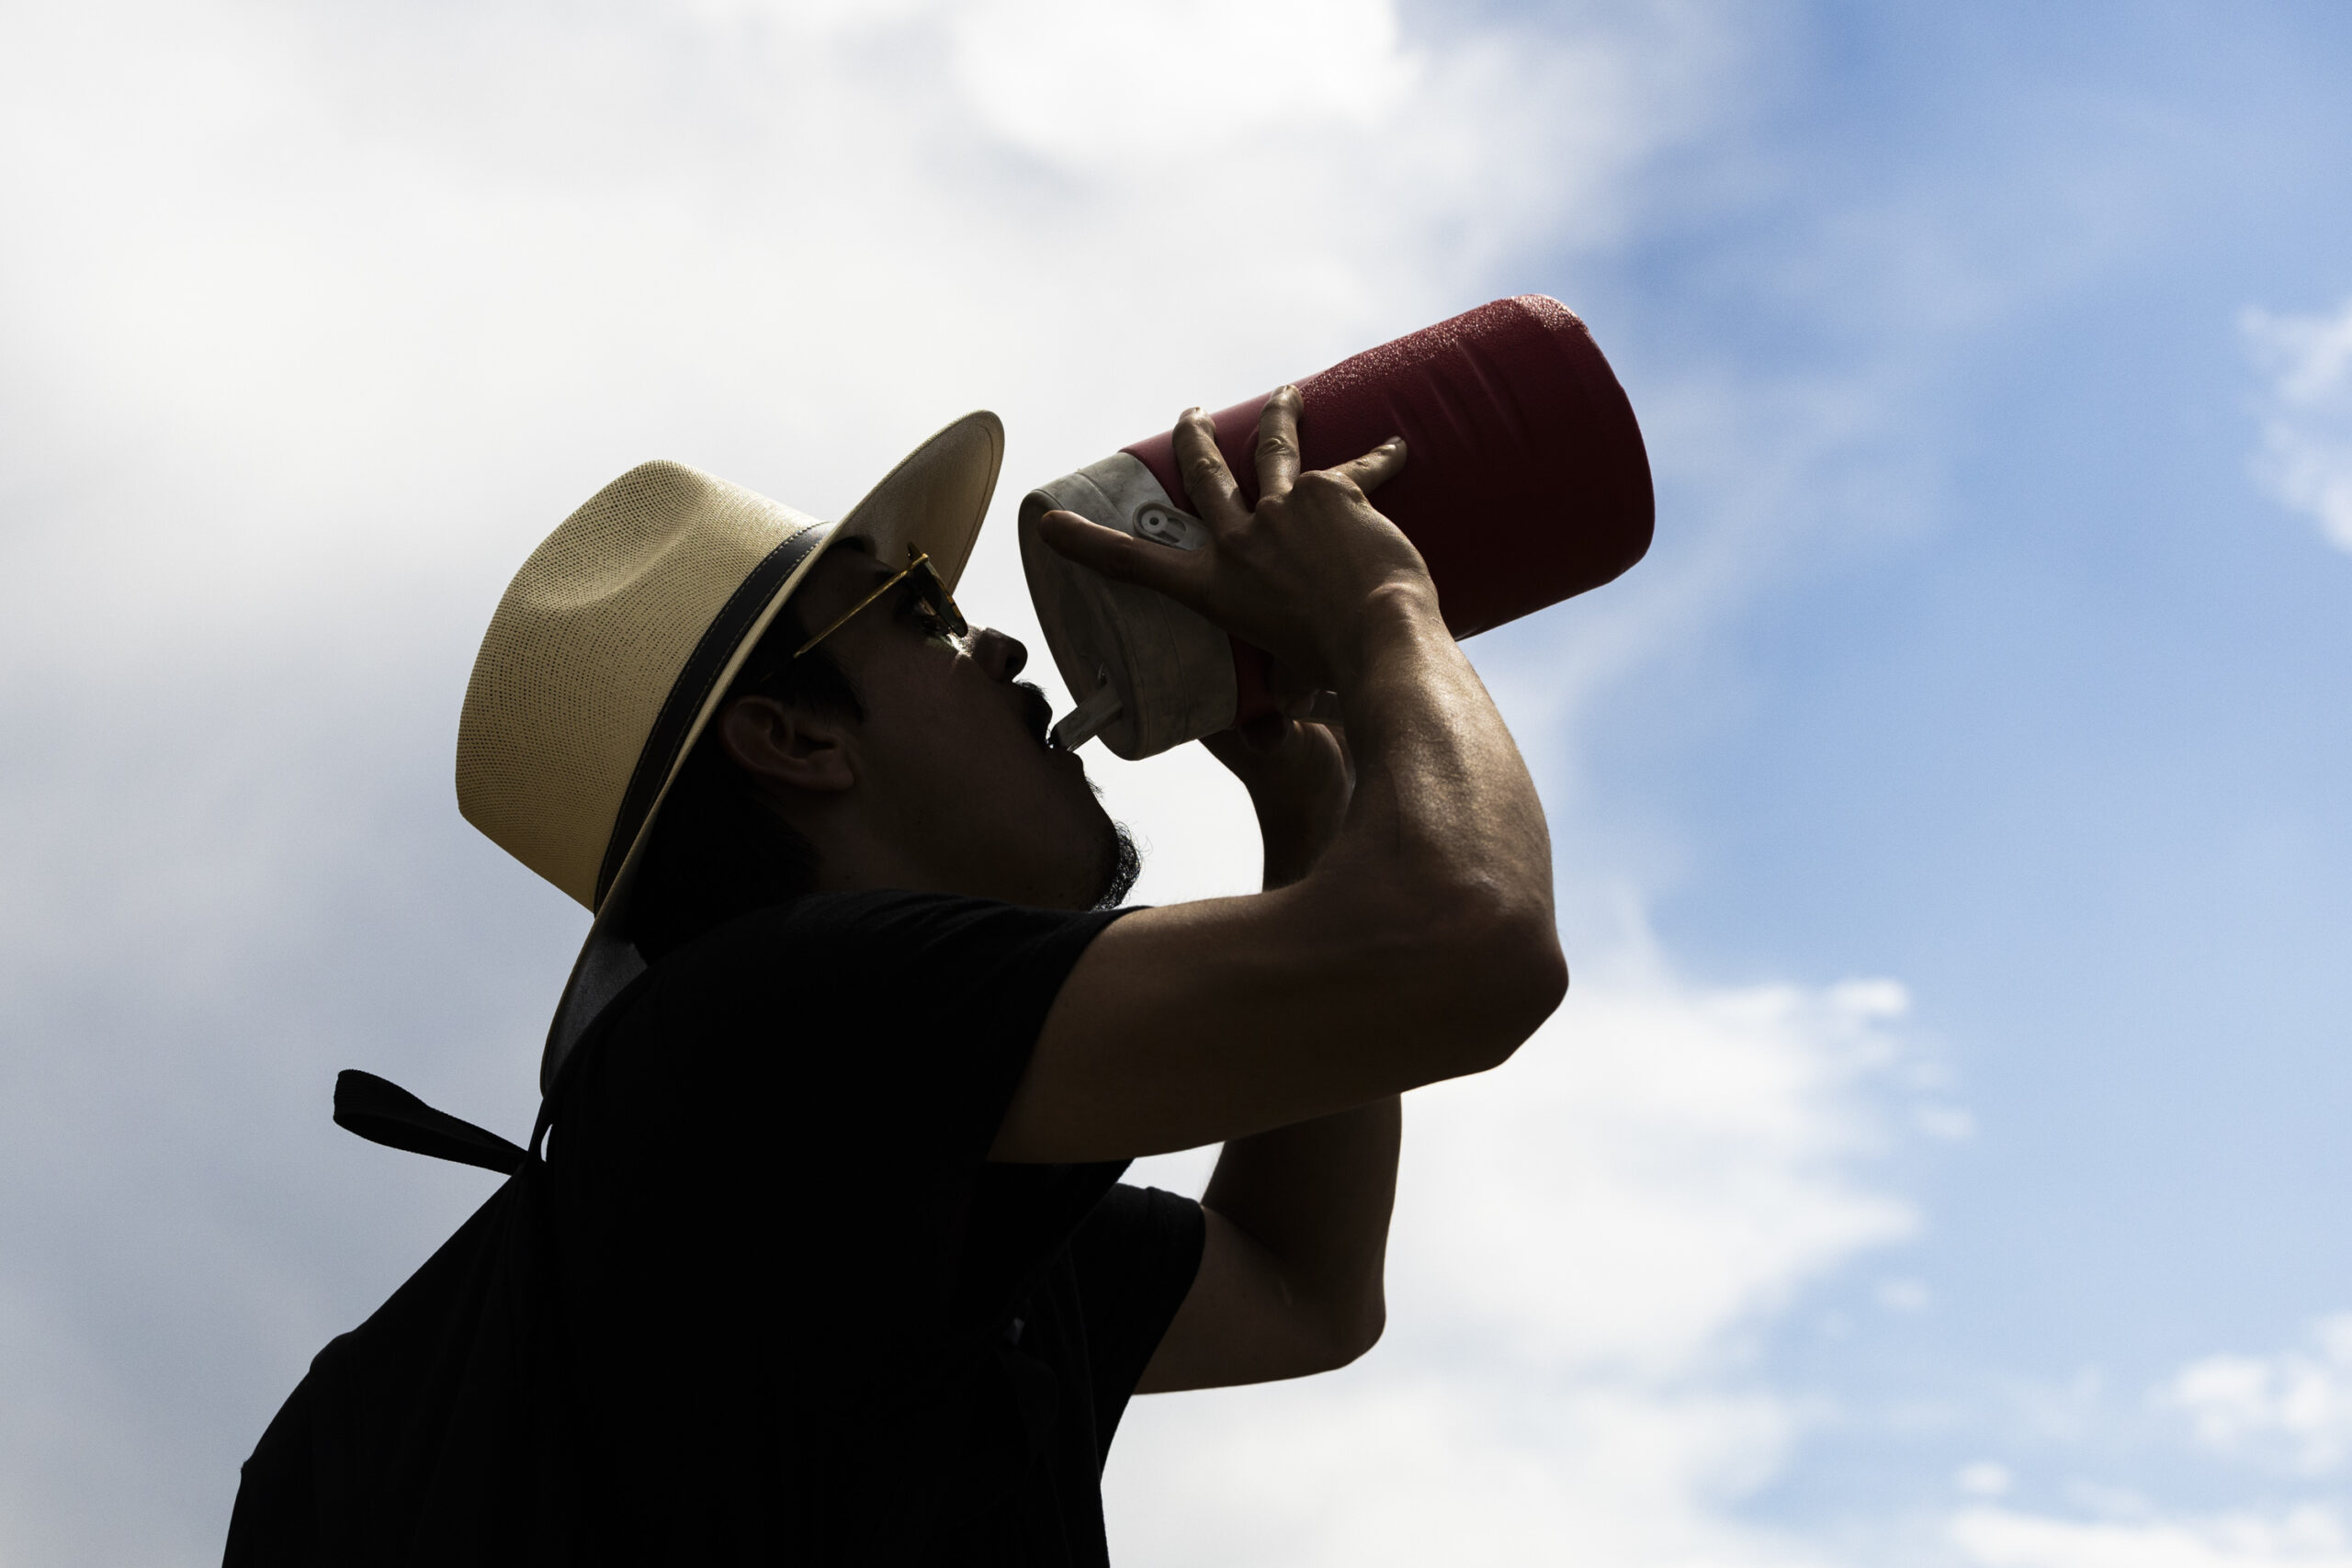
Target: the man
(830, 1264)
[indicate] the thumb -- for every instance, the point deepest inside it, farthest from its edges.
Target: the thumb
(1119, 556)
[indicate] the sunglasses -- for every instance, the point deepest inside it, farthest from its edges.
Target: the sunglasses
(928, 594)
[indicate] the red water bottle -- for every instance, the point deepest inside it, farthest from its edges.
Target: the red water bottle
(1526, 482)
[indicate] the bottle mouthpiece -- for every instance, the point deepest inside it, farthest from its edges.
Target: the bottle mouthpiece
(1087, 720)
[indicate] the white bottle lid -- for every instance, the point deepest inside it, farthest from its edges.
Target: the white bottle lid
(1149, 674)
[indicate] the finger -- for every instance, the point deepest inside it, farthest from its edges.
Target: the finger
(1332, 733)
(1255, 753)
(1376, 467)
(1215, 498)
(1278, 443)
(1120, 556)
(1228, 747)
(1269, 732)
(1286, 684)
(1338, 730)
(1323, 708)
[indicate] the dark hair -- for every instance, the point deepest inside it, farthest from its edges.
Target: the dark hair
(718, 848)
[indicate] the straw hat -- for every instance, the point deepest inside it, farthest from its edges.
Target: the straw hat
(617, 637)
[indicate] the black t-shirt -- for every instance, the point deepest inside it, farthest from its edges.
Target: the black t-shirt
(803, 1319)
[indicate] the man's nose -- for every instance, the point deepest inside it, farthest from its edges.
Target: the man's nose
(1002, 656)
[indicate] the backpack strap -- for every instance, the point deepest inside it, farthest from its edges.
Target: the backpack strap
(383, 1113)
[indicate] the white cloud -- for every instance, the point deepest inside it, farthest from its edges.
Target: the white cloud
(1585, 1241)
(325, 318)
(2306, 459)
(2303, 1538)
(377, 295)
(1983, 1478)
(1099, 86)
(2297, 1403)
(1388, 1467)
(1663, 1165)
(2294, 1408)
(316, 320)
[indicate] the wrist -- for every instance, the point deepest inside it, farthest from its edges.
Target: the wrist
(1397, 614)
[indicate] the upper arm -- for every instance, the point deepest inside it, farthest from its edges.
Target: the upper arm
(1198, 1022)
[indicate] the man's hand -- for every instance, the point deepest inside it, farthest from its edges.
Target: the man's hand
(1419, 946)
(1293, 575)
(1290, 575)
(1300, 778)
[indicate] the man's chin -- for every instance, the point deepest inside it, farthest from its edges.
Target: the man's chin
(1119, 865)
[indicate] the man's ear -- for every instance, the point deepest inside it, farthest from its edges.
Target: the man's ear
(789, 747)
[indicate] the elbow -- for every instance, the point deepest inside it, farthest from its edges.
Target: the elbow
(1541, 975)
(1455, 975)
(1364, 1334)
(1508, 975)
(1348, 1337)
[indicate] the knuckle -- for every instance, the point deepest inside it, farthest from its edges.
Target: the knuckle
(1275, 444)
(1326, 482)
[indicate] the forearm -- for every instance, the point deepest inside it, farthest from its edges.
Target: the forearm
(1421, 947)
(1317, 1197)
(1444, 807)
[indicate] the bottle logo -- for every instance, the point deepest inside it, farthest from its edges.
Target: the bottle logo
(1166, 525)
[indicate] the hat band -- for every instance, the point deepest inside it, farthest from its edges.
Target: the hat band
(692, 688)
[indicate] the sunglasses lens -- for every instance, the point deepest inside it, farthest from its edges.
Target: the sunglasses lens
(942, 603)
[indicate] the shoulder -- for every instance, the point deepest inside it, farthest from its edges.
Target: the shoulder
(937, 940)
(895, 971)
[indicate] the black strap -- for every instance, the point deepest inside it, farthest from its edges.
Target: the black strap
(659, 756)
(383, 1113)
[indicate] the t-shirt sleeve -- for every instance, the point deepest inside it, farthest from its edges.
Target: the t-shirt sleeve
(885, 1019)
(832, 1073)
(975, 980)
(1136, 1256)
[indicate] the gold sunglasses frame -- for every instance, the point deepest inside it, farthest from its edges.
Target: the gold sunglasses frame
(942, 603)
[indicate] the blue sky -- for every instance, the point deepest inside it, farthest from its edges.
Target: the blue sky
(1938, 1159)
(2058, 736)
(2065, 747)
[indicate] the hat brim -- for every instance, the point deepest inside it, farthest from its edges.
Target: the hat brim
(934, 500)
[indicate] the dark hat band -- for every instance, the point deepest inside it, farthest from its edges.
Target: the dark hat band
(658, 757)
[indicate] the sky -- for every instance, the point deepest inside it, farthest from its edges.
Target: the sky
(1937, 1160)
